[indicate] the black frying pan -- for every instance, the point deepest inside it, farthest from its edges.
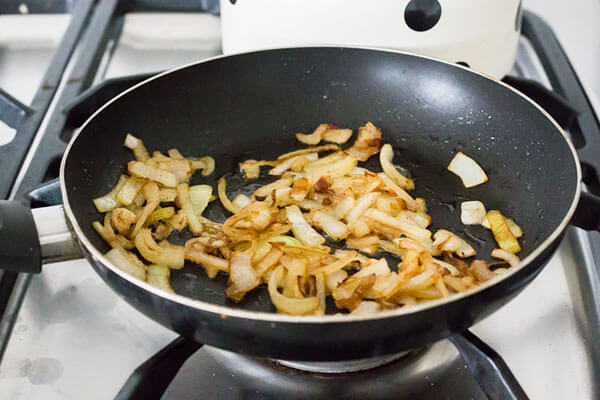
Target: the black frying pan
(250, 105)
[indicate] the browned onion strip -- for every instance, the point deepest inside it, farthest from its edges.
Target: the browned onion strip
(222, 192)
(137, 146)
(151, 251)
(145, 171)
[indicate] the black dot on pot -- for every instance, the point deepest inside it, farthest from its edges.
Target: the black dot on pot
(464, 64)
(422, 15)
(233, 1)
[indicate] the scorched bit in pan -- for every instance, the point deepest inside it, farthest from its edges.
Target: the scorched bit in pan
(278, 236)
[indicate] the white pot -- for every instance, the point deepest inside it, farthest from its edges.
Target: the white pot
(481, 33)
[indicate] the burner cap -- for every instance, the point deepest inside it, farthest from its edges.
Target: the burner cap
(340, 367)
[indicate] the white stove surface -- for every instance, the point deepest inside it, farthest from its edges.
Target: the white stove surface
(74, 338)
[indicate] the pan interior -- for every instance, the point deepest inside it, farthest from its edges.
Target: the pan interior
(251, 105)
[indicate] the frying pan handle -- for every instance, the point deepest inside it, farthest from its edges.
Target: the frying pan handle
(587, 213)
(29, 238)
(56, 240)
(488, 368)
(19, 245)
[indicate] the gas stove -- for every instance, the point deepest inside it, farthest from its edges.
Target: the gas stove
(65, 335)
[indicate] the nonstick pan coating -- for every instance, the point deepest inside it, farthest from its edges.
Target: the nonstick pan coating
(250, 106)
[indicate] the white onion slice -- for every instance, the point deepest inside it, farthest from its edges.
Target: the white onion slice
(451, 268)
(302, 230)
(287, 304)
(366, 308)
(472, 212)
(378, 268)
(468, 170)
(337, 230)
(510, 258)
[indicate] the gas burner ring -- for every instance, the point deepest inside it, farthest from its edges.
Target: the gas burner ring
(342, 367)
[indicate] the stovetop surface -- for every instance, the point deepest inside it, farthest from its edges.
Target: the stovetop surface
(74, 338)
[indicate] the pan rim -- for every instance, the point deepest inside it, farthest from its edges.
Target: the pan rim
(226, 312)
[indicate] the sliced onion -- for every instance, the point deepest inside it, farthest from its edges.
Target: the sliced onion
(385, 158)
(127, 262)
(122, 219)
(514, 228)
(251, 168)
(410, 202)
(287, 304)
(350, 293)
(451, 268)
(327, 160)
(472, 212)
(302, 230)
(269, 260)
(242, 277)
(317, 149)
(363, 204)
(129, 191)
(167, 195)
(266, 190)
(315, 137)
(401, 222)
(338, 168)
(502, 233)
(287, 163)
(143, 170)
(183, 196)
(206, 164)
(200, 197)
(337, 135)
(143, 216)
(366, 307)
(172, 256)
(107, 233)
(448, 241)
(137, 146)
(308, 204)
(485, 223)
(321, 294)
(368, 142)
(181, 168)
(160, 214)
(335, 279)
(467, 170)
(335, 229)
(366, 244)
(175, 154)
(211, 263)
(378, 268)
(222, 192)
(344, 206)
(418, 282)
(421, 219)
(109, 201)
(359, 228)
(510, 258)
(327, 132)
(158, 276)
(338, 265)
(481, 270)
(454, 283)
(296, 269)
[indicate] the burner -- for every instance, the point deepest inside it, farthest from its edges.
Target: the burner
(342, 367)
(427, 373)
